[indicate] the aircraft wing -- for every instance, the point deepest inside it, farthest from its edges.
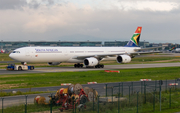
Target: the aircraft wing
(80, 57)
(149, 52)
(96, 56)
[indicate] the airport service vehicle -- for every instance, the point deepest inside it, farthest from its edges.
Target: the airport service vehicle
(19, 67)
(89, 56)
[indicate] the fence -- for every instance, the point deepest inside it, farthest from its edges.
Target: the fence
(127, 97)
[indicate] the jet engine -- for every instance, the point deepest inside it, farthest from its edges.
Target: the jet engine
(53, 63)
(91, 61)
(123, 59)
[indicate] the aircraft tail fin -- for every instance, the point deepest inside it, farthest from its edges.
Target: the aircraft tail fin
(134, 41)
(172, 49)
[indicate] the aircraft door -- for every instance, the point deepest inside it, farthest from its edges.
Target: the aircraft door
(27, 52)
(65, 53)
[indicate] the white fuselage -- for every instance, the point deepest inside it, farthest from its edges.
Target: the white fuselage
(66, 54)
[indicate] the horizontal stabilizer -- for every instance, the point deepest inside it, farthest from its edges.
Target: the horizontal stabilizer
(143, 49)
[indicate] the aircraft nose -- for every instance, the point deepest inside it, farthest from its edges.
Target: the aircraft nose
(12, 56)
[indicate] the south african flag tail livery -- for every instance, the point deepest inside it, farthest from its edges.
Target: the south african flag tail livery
(134, 41)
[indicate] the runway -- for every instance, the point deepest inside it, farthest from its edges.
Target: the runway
(106, 67)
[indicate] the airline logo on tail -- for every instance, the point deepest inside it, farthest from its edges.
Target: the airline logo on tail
(134, 41)
(172, 49)
(2, 51)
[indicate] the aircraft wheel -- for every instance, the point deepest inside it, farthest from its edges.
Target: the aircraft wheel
(97, 66)
(75, 65)
(32, 67)
(78, 65)
(81, 65)
(102, 66)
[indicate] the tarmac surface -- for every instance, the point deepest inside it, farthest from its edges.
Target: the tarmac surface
(72, 69)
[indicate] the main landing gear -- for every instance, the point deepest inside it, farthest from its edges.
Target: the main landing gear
(99, 66)
(78, 65)
(81, 65)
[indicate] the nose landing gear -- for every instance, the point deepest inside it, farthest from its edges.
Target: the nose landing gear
(23, 63)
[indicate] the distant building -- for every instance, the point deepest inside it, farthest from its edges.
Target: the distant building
(123, 43)
(9, 46)
(115, 43)
(13, 45)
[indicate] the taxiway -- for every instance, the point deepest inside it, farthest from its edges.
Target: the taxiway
(106, 67)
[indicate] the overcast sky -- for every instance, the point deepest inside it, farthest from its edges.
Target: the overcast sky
(94, 20)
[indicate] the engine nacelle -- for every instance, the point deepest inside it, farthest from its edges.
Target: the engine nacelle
(123, 59)
(91, 61)
(53, 63)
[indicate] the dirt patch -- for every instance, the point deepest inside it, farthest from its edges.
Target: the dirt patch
(9, 86)
(2, 82)
(4, 76)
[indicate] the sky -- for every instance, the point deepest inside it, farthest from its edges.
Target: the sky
(93, 20)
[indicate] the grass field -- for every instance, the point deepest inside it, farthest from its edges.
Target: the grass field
(55, 79)
(5, 57)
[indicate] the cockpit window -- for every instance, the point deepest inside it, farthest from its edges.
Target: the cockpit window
(16, 52)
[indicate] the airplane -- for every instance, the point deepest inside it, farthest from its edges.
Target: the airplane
(89, 56)
(2, 51)
(177, 50)
(172, 49)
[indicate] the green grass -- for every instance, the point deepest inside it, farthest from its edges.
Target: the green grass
(30, 108)
(5, 57)
(126, 107)
(55, 79)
